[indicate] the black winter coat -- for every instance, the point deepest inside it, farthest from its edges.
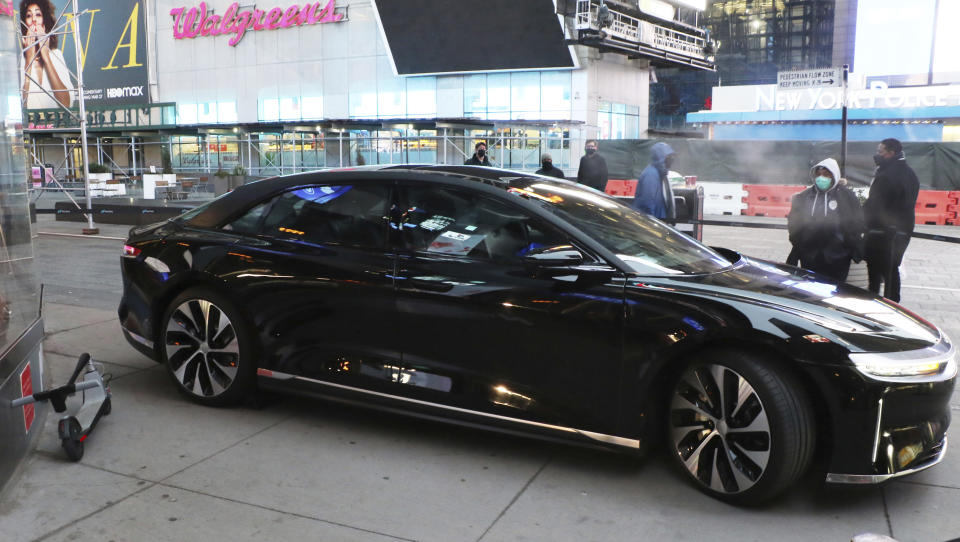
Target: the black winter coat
(552, 171)
(593, 171)
(475, 161)
(826, 223)
(893, 196)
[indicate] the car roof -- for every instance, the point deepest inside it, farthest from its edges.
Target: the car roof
(248, 194)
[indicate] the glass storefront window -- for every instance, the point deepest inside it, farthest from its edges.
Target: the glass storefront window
(421, 97)
(475, 95)
(525, 95)
(618, 121)
(19, 288)
(313, 107)
(226, 112)
(269, 110)
(498, 95)
(555, 94)
(187, 113)
(207, 113)
(289, 108)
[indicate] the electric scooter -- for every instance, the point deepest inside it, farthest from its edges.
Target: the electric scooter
(75, 427)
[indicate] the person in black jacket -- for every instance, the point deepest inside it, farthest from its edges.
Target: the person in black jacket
(593, 168)
(548, 168)
(479, 157)
(826, 223)
(889, 214)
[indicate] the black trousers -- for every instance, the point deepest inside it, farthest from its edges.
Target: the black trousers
(884, 254)
(836, 270)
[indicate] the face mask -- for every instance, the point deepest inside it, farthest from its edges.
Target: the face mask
(481, 152)
(591, 150)
(547, 164)
(823, 183)
(878, 159)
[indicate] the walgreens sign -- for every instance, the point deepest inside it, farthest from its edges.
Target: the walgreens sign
(199, 21)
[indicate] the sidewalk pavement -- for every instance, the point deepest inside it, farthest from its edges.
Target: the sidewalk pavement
(161, 468)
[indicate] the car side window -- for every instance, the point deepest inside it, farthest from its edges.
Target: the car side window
(249, 222)
(352, 215)
(458, 222)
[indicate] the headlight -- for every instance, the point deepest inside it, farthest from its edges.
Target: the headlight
(912, 366)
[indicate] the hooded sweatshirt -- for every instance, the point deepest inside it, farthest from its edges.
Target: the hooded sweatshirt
(826, 223)
(654, 195)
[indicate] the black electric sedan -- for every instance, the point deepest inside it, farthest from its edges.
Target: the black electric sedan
(520, 302)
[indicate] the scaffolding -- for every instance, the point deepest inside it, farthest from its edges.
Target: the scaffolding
(32, 51)
(229, 151)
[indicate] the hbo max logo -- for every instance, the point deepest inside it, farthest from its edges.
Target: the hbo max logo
(124, 92)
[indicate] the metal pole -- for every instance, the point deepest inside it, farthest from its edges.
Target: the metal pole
(843, 121)
(89, 230)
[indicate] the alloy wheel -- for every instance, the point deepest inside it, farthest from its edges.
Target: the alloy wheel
(202, 348)
(719, 428)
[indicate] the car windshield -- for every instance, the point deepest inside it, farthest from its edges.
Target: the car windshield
(646, 245)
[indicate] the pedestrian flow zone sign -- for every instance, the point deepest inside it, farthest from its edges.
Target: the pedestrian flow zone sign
(818, 78)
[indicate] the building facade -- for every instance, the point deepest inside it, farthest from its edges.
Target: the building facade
(324, 85)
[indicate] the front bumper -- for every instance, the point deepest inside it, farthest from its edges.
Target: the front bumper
(884, 428)
(935, 456)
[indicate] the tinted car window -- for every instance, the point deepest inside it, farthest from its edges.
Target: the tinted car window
(249, 222)
(456, 222)
(353, 215)
(645, 244)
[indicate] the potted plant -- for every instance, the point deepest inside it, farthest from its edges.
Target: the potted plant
(238, 176)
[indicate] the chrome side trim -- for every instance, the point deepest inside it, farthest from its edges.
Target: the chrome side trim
(599, 437)
(142, 340)
(877, 478)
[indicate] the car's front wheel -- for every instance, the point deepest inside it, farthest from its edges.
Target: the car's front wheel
(208, 348)
(741, 428)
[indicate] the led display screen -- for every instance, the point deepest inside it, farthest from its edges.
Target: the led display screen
(443, 36)
(894, 37)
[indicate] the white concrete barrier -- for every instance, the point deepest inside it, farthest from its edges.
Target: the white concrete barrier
(723, 198)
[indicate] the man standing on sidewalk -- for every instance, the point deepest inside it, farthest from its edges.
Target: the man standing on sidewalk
(593, 168)
(889, 216)
(479, 157)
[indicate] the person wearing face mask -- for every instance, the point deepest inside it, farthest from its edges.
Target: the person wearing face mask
(826, 223)
(654, 195)
(889, 214)
(548, 168)
(479, 157)
(593, 168)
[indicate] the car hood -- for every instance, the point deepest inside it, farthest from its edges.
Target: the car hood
(847, 314)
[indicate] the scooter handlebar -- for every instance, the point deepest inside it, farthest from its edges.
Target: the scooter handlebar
(63, 391)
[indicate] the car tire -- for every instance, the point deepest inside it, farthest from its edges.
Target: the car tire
(740, 427)
(217, 370)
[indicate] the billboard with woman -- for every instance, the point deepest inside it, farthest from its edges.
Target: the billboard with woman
(113, 52)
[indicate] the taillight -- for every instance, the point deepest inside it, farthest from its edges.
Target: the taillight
(130, 252)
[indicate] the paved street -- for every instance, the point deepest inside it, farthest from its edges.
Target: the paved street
(162, 468)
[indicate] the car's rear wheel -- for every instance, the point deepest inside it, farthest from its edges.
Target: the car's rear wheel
(741, 429)
(208, 348)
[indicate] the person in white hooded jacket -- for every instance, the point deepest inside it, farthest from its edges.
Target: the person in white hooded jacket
(826, 223)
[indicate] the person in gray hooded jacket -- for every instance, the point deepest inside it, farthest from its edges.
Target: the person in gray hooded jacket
(826, 223)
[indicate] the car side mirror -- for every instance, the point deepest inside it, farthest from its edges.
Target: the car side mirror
(555, 256)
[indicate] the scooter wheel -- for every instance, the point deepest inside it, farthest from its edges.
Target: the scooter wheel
(106, 407)
(74, 448)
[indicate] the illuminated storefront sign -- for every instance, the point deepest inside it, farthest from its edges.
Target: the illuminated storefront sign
(877, 96)
(757, 98)
(197, 22)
